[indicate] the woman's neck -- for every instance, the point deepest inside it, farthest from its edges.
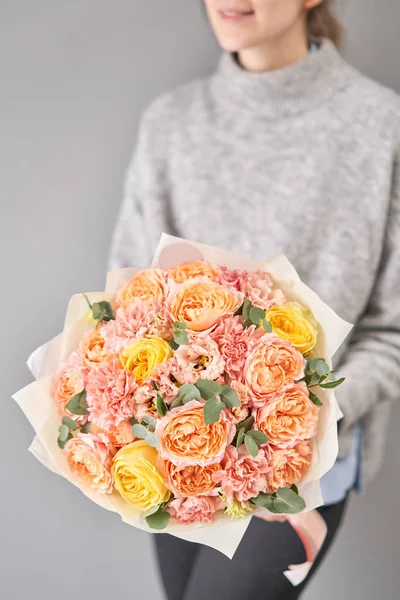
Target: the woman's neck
(276, 53)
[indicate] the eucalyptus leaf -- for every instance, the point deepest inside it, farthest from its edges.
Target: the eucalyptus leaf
(151, 439)
(315, 379)
(267, 326)
(181, 338)
(155, 385)
(240, 437)
(70, 423)
(229, 396)
(251, 445)
(312, 364)
(332, 384)
(256, 315)
(102, 311)
(258, 436)
(246, 306)
(179, 325)
(63, 443)
(161, 406)
(247, 424)
(295, 489)
(133, 421)
(63, 433)
(139, 431)
(77, 405)
(151, 511)
(173, 345)
(322, 368)
(158, 520)
(314, 399)
(177, 401)
(264, 500)
(212, 410)
(208, 389)
(188, 392)
(288, 502)
(150, 421)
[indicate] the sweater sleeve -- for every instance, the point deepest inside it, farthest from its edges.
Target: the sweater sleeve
(144, 211)
(372, 364)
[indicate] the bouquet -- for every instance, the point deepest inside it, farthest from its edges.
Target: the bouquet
(192, 395)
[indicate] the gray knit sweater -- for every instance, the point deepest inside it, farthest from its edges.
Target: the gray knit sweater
(301, 161)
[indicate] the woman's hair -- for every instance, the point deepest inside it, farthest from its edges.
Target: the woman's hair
(323, 23)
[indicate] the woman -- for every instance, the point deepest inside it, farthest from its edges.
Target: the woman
(285, 149)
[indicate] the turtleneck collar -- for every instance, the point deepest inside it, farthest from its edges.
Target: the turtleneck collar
(283, 92)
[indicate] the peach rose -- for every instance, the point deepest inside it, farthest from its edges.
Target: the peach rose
(193, 270)
(273, 365)
(290, 417)
(92, 349)
(195, 509)
(200, 304)
(186, 440)
(188, 481)
(69, 381)
(147, 285)
(90, 457)
(288, 465)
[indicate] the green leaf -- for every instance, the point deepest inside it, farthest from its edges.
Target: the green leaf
(133, 421)
(251, 445)
(256, 315)
(288, 502)
(208, 389)
(332, 384)
(139, 431)
(240, 437)
(177, 401)
(151, 439)
(247, 424)
(151, 511)
(70, 423)
(264, 500)
(212, 410)
(179, 325)
(77, 405)
(258, 436)
(90, 305)
(188, 392)
(229, 396)
(314, 399)
(155, 385)
(267, 326)
(322, 368)
(314, 379)
(295, 489)
(63, 433)
(246, 306)
(312, 364)
(181, 338)
(247, 323)
(150, 421)
(86, 427)
(63, 443)
(158, 520)
(161, 406)
(102, 311)
(173, 345)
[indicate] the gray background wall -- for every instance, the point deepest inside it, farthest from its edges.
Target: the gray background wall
(74, 78)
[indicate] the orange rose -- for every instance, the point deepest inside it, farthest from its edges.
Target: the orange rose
(186, 440)
(273, 365)
(288, 466)
(68, 382)
(189, 481)
(290, 417)
(192, 270)
(92, 349)
(201, 304)
(147, 285)
(90, 457)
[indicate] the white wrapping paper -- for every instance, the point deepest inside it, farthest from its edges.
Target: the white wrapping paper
(36, 400)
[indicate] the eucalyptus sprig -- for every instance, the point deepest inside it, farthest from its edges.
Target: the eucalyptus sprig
(217, 397)
(253, 315)
(252, 438)
(77, 405)
(157, 517)
(284, 501)
(181, 337)
(101, 311)
(66, 428)
(318, 374)
(145, 430)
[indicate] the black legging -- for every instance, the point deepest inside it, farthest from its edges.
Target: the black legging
(193, 572)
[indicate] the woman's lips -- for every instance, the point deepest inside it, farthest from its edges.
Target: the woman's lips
(234, 16)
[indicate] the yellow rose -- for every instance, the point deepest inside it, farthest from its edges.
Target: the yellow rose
(141, 357)
(295, 323)
(136, 477)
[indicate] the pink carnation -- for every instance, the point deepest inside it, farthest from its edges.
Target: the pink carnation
(232, 278)
(240, 413)
(109, 395)
(200, 358)
(234, 343)
(194, 509)
(242, 476)
(257, 287)
(130, 323)
(145, 396)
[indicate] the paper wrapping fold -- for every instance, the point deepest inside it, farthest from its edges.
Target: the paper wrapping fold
(36, 399)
